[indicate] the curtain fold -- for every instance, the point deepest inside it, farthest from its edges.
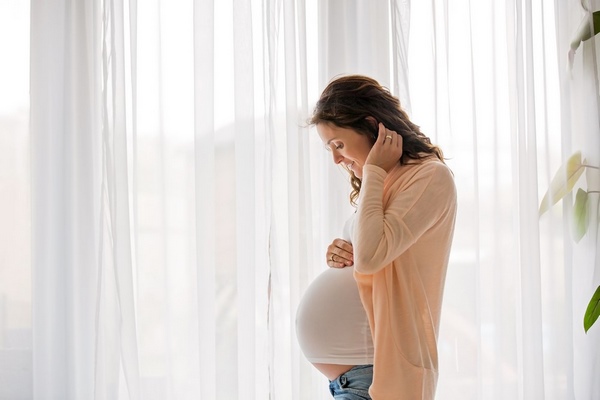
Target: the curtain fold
(180, 205)
(246, 211)
(400, 31)
(117, 357)
(525, 105)
(63, 166)
(84, 321)
(204, 164)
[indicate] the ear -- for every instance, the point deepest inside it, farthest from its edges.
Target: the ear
(374, 126)
(372, 121)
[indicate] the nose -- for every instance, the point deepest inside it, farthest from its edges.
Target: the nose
(337, 157)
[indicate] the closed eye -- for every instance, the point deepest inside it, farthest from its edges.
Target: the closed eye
(337, 146)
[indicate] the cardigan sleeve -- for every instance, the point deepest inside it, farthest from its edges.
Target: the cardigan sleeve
(415, 205)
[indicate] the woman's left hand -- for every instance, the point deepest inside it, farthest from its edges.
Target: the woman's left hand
(387, 150)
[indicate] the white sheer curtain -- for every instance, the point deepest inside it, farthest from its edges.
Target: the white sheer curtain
(179, 207)
(172, 215)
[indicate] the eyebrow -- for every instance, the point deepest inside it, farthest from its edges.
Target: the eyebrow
(330, 140)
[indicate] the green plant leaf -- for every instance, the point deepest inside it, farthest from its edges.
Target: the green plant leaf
(563, 182)
(580, 215)
(593, 311)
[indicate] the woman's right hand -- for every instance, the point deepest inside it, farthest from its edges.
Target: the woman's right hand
(340, 254)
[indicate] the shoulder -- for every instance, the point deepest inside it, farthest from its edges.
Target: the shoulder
(429, 177)
(431, 164)
(439, 171)
(428, 169)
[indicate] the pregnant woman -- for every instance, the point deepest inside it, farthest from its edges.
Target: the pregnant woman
(396, 249)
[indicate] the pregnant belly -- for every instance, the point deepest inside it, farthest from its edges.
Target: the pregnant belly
(331, 323)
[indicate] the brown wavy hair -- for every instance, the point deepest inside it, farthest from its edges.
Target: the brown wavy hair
(353, 101)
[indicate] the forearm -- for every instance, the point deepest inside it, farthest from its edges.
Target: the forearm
(376, 241)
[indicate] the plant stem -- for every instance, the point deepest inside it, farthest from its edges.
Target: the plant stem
(589, 166)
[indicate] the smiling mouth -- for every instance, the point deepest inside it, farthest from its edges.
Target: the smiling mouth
(349, 166)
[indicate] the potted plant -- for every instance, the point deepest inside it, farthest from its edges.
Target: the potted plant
(561, 185)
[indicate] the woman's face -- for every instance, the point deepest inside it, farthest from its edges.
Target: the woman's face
(347, 146)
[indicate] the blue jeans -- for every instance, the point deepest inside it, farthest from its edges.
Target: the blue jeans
(353, 385)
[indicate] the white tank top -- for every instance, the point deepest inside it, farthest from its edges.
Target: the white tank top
(331, 323)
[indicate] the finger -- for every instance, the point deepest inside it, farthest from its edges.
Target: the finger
(389, 138)
(399, 140)
(344, 245)
(381, 133)
(343, 249)
(336, 262)
(395, 138)
(345, 256)
(341, 252)
(343, 259)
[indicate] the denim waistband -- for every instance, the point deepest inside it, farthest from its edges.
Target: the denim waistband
(353, 384)
(356, 371)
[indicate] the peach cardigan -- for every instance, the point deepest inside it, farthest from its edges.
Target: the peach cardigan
(402, 235)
